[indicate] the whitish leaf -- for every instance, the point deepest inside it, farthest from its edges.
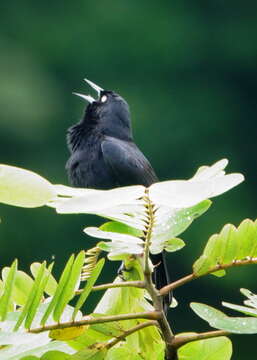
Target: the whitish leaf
(219, 348)
(24, 188)
(207, 172)
(252, 298)
(229, 245)
(87, 289)
(69, 287)
(37, 347)
(16, 338)
(98, 200)
(51, 285)
(243, 309)
(207, 183)
(121, 243)
(252, 302)
(5, 299)
(219, 320)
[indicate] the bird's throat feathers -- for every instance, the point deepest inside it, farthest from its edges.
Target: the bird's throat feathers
(100, 121)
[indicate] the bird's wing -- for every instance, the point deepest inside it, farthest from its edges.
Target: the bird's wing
(127, 163)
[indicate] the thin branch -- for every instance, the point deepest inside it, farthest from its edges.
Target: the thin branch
(181, 340)
(88, 320)
(166, 289)
(137, 284)
(130, 331)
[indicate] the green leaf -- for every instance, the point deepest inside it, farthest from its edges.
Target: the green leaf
(170, 245)
(90, 354)
(219, 320)
(87, 289)
(63, 279)
(69, 287)
(22, 286)
(51, 285)
(38, 295)
(69, 333)
(55, 355)
(5, 299)
(229, 245)
(32, 298)
(24, 188)
(30, 357)
(123, 353)
(219, 348)
(115, 226)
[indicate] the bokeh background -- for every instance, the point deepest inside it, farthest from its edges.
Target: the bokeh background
(188, 71)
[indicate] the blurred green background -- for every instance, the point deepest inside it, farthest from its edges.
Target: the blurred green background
(187, 69)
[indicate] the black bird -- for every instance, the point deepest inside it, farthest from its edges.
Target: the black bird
(104, 156)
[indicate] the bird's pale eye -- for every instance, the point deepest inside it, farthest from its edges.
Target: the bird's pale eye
(103, 98)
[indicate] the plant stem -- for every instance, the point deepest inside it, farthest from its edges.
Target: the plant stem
(166, 289)
(181, 340)
(88, 320)
(170, 353)
(138, 284)
(128, 332)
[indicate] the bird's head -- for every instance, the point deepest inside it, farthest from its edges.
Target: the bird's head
(109, 113)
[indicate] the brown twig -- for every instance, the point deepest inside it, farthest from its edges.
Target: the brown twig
(138, 284)
(88, 320)
(181, 340)
(128, 332)
(166, 289)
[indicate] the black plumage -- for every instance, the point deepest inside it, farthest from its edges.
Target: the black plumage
(104, 156)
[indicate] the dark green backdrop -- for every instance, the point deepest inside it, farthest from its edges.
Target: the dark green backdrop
(188, 71)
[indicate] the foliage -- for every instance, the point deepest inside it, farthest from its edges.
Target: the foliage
(42, 316)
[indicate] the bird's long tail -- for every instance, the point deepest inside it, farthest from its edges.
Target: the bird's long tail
(161, 277)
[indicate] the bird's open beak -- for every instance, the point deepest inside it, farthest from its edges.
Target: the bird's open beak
(89, 98)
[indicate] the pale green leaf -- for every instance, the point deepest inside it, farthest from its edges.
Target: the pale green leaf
(244, 309)
(87, 289)
(24, 188)
(219, 320)
(219, 348)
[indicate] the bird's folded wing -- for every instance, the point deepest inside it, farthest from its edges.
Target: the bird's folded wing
(127, 163)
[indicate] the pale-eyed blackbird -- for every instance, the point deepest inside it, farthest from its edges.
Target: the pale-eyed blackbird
(104, 156)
